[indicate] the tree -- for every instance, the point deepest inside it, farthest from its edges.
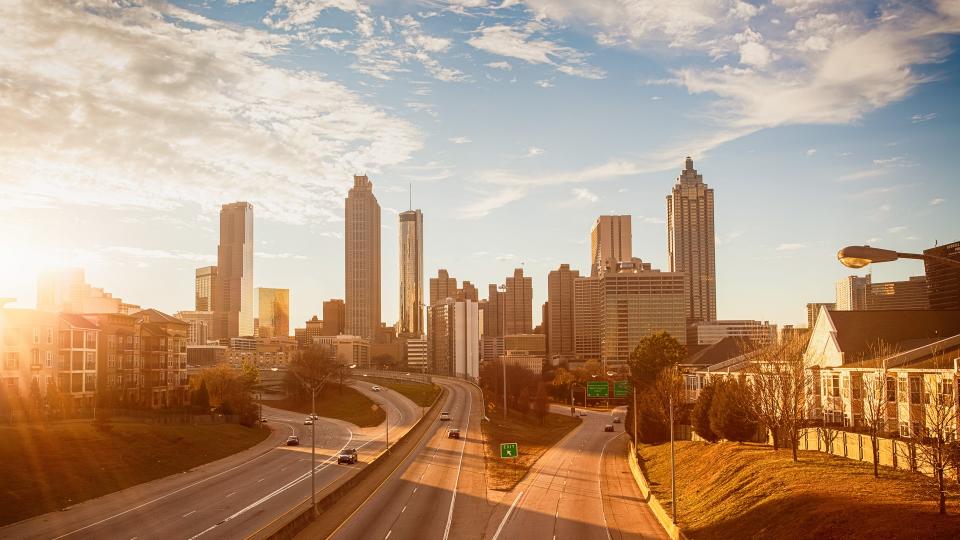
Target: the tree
(230, 390)
(700, 415)
(541, 404)
(780, 382)
(876, 389)
(652, 355)
(562, 379)
(310, 371)
(201, 398)
(523, 401)
(730, 415)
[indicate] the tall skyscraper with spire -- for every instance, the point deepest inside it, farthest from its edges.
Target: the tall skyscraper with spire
(362, 259)
(411, 273)
(691, 246)
(233, 296)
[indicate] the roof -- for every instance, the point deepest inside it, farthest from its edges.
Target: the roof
(938, 354)
(78, 321)
(903, 329)
(725, 349)
(156, 316)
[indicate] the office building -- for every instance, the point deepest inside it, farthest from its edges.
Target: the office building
(442, 287)
(491, 348)
(559, 314)
(233, 299)
(273, 311)
(454, 338)
(535, 344)
(691, 242)
(635, 304)
(411, 273)
(314, 328)
(761, 333)
(586, 318)
(334, 316)
(909, 294)
(200, 329)
(943, 278)
(362, 259)
(493, 315)
(853, 293)
(415, 353)
(518, 304)
(163, 347)
(67, 291)
(813, 310)
(468, 291)
(611, 242)
(204, 286)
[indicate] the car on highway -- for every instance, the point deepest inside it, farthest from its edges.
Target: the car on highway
(348, 456)
(315, 417)
(308, 421)
(616, 419)
(375, 388)
(293, 440)
(583, 413)
(453, 433)
(608, 427)
(444, 415)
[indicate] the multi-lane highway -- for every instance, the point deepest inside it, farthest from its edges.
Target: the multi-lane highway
(233, 497)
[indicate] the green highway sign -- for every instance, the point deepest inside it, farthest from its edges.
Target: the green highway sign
(621, 388)
(508, 450)
(598, 389)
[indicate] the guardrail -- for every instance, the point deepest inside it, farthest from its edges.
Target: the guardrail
(424, 378)
(663, 517)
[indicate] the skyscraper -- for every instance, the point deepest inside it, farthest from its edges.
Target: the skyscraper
(362, 259)
(493, 315)
(586, 318)
(853, 293)
(909, 294)
(273, 310)
(205, 285)
(813, 311)
(611, 242)
(943, 278)
(334, 315)
(233, 297)
(454, 338)
(518, 304)
(411, 273)
(559, 312)
(690, 242)
(468, 291)
(442, 287)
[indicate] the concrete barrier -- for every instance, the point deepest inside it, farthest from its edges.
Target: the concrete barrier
(671, 528)
(339, 500)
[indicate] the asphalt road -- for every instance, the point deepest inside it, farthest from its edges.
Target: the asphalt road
(233, 497)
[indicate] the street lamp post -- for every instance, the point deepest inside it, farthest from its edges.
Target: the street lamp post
(673, 465)
(503, 364)
(860, 256)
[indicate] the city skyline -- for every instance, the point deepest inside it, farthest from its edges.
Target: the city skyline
(800, 167)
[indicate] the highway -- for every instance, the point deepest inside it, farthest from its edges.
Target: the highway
(232, 497)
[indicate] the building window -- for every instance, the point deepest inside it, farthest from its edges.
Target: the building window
(835, 386)
(916, 390)
(12, 361)
(49, 336)
(904, 429)
(917, 430)
(48, 359)
(855, 384)
(34, 357)
(891, 389)
(945, 389)
(902, 389)
(36, 335)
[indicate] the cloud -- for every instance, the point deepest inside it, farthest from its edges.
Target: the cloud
(545, 83)
(936, 201)
(655, 98)
(918, 118)
(533, 151)
(492, 202)
(791, 246)
(266, 255)
(383, 57)
(499, 65)
(651, 220)
(584, 195)
(897, 229)
(149, 106)
(294, 14)
(811, 152)
(864, 174)
(460, 140)
(521, 43)
(141, 253)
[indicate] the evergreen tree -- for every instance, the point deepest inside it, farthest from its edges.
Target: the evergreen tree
(730, 416)
(700, 416)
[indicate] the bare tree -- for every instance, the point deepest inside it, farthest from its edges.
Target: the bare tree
(933, 451)
(312, 369)
(877, 393)
(780, 381)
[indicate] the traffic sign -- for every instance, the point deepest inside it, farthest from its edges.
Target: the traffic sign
(621, 388)
(508, 450)
(598, 389)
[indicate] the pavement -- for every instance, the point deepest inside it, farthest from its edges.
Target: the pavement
(232, 497)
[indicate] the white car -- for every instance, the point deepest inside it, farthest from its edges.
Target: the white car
(375, 388)
(444, 415)
(308, 421)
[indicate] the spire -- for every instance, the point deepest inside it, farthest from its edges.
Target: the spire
(689, 164)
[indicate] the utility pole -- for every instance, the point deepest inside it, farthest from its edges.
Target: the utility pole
(313, 462)
(673, 464)
(503, 364)
(635, 438)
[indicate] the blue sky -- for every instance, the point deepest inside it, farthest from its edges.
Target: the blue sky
(818, 124)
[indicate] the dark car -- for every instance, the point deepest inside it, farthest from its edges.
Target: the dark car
(293, 440)
(348, 455)
(608, 427)
(453, 433)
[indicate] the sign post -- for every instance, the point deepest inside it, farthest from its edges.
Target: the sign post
(508, 450)
(598, 389)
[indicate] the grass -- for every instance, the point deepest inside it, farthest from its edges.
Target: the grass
(350, 406)
(532, 438)
(733, 491)
(421, 394)
(47, 467)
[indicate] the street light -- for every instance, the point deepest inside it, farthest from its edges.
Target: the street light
(860, 256)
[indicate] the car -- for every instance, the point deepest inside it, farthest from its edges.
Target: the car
(308, 421)
(444, 415)
(616, 419)
(583, 413)
(314, 417)
(608, 427)
(263, 420)
(375, 388)
(348, 456)
(293, 440)
(453, 433)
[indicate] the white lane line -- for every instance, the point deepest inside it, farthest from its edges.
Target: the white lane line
(231, 494)
(506, 517)
(188, 513)
(600, 487)
(261, 480)
(453, 498)
(404, 510)
(388, 534)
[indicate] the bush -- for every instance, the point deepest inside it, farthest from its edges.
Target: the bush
(730, 412)
(700, 416)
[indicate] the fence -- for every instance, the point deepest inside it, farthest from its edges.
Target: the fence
(896, 453)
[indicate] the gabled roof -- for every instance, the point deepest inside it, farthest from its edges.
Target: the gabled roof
(725, 349)
(78, 321)
(903, 329)
(156, 316)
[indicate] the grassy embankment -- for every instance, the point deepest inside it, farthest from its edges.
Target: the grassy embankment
(349, 406)
(421, 394)
(48, 467)
(735, 491)
(532, 437)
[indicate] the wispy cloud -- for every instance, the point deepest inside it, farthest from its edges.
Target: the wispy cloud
(492, 202)
(500, 65)
(460, 140)
(523, 43)
(794, 246)
(937, 201)
(544, 83)
(584, 195)
(533, 151)
(897, 229)
(284, 255)
(918, 118)
(811, 152)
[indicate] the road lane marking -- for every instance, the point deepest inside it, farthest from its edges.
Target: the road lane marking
(404, 510)
(231, 494)
(261, 480)
(453, 498)
(388, 534)
(506, 517)
(603, 512)
(188, 513)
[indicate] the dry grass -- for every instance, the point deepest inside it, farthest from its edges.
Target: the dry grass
(349, 406)
(533, 440)
(421, 394)
(48, 467)
(735, 491)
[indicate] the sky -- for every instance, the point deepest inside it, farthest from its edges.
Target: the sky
(819, 124)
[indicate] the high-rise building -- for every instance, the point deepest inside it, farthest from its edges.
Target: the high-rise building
(233, 299)
(415, 353)
(943, 278)
(761, 333)
(334, 316)
(611, 242)
(442, 287)
(454, 338)
(691, 242)
(362, 259)
(853, 293)
(635, 304)
(910, 294)
(493, 315)
(273, 310)
(68, 291)
(205, 284)
(813, 311)
(559, 313)
(313, 329)
(411, 273)
(586, 318)
(200, 330)
(518, 304)
(468, 292)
